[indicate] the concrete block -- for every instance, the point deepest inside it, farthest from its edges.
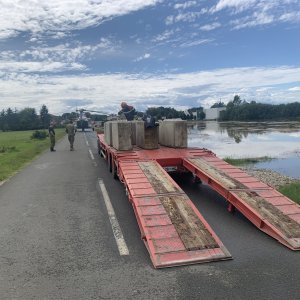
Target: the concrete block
(146, 138)
(108, 133)
(173, 133)
(133, 132)
(121, 135)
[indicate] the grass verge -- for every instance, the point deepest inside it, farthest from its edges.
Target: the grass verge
(292, 191)
(246, 161)
(17, 148)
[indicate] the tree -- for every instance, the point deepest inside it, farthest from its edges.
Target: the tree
(218, 104)
(237, 100)
(28, 119)
(44, 116)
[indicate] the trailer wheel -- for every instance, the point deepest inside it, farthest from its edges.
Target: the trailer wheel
(196, 179)
(99, 147)
(109, 163)
(115, 172)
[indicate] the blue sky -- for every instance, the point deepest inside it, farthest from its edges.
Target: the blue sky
(93, 54)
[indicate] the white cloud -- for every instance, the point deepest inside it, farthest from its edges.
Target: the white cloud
(259, 12)
(195, 43)
(145, 56)
(293, 17)
(55, 16)
(209, 27)
(40, 67)
(58, 58)
(295, 89)
(185, 5)
(183, 17)
(239, 5)
(258, 18)
(105, 91)
(163, 36)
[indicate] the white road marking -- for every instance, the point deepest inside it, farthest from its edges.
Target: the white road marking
(91, 154)
(123, 249)
(86, 141)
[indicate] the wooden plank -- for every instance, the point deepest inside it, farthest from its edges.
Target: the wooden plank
(190, 229)
(158, 179)
(271, 213)
(227, 181)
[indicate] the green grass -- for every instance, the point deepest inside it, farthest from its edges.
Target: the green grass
(246, 161)
(17, 148)
(292, 191)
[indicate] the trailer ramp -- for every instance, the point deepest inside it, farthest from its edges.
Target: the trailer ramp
(174, 231)
(266, 208)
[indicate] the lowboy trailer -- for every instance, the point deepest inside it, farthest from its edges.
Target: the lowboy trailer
(173, 230)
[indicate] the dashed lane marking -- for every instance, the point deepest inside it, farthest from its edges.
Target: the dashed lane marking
(123, 249)
(91, 154)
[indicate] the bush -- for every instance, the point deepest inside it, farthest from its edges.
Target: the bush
(39, 135)
(4, 149)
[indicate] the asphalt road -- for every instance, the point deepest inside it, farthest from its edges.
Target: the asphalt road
(56, 240)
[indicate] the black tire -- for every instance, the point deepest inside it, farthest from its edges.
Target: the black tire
(109, 164)
(196, 179)
(115, 173)
(99, 147)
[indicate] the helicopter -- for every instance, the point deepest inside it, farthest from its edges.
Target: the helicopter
(83, 122)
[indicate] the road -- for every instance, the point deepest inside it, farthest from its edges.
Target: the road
(57, 242)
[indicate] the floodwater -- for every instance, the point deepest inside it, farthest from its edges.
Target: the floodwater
(278, 140)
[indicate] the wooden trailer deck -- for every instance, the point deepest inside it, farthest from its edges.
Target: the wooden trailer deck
(174, 231)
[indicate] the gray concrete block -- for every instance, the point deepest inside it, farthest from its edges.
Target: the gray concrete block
(121, 135)
(133, 132)
(173, 133)
(146, 138)
(108, 133)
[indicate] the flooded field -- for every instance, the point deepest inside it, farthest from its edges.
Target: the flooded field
(278, 140)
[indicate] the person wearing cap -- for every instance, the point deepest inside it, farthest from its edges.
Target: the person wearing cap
(128, 111)
(52, 136)
(71, 130)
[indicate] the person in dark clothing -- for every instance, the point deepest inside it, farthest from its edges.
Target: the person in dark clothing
(52, 136)
(128, 111)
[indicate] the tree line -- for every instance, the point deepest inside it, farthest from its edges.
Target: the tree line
(241, 110)
(236, 110)
(171, 113)
(25, 119)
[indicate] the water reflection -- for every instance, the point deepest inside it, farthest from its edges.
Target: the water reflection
(247, 139)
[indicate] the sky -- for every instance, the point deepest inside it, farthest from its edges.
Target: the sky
(94, 54)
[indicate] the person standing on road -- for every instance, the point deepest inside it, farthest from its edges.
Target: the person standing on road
(52, 136)
(71, 130)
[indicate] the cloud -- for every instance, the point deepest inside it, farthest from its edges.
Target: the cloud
(105, 91)
(295, 89)
(185, 5)
(252, 13)
(163, 36)
(195, 43)
(59, 58)
(239, 5)
(293, 17)
(56, 16)
(145, 56)
(189, 17)
(258, 18)
(209, 27)
(31, 66)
